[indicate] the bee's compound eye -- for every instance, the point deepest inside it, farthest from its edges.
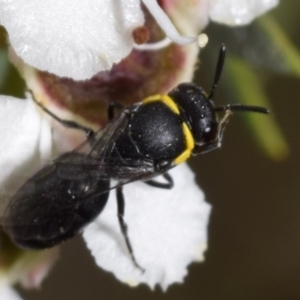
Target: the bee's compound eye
(210, 132)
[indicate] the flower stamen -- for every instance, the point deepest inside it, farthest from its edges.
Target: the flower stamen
(166, 24)
(154, 46)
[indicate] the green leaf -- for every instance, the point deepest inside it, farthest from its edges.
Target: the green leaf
(280, 41)
(263, 44)
(4, 66)
(246, 85)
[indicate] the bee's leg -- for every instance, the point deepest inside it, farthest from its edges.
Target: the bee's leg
(163, 185)
(111, 109)
(69, 124)
(123, 226)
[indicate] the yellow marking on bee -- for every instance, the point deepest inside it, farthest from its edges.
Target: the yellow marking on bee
(190, 144)
(165, 99)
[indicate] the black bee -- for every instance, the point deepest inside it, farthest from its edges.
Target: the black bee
(146, 140)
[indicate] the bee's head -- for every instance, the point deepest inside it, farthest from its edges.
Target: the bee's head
(197, 110)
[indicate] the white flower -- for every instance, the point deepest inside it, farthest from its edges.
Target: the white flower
(77, 39)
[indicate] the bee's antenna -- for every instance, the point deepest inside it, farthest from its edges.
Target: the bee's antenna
(242, 107)
(219, 69)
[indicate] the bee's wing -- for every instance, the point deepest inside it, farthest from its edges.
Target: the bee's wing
(63, 197)
(99, 151)
(70, 192)
(49, 209)
(99, 145)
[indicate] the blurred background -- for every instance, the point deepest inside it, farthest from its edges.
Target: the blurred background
(253, 182)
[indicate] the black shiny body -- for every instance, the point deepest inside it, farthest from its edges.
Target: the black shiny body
(150, 133)
(144, 141)
(72, 190)
(52, 207)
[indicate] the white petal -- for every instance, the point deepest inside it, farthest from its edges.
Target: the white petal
(25, 140)
(71, 38)
(239, 12)
(167, 229)
(8, 293)
(190, 17)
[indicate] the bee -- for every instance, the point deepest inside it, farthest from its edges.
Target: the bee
(144, 141)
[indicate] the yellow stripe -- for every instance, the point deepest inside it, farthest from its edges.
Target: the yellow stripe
(189, 137)
(165, 99)
(190, 144)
